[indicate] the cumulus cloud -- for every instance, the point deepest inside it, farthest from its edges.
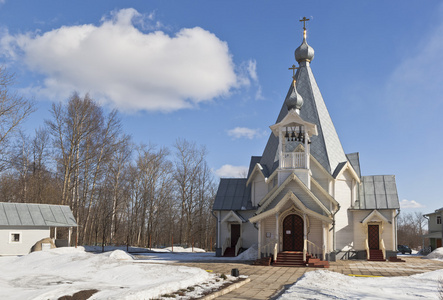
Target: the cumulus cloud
(244, 132)
(119, 63)
(410, 204)
(231, 171)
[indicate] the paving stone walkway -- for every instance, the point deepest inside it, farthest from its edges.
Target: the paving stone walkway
(268, 282)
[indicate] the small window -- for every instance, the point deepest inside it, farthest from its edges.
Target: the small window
(438, 219)
(15, 237)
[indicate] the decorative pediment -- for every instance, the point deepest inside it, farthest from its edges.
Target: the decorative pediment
(375, 216)
(267, 200)
(232, 217)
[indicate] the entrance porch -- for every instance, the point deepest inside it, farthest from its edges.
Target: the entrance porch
(295, 238)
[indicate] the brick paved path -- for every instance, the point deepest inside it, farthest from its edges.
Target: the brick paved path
(267, 282)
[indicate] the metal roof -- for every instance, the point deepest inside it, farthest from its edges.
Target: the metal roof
(326, 146)
(378, 192)
(233, 194)
(25, 214)
(354, 160)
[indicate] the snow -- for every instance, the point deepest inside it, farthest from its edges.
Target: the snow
(250, 254)
(322, 284)
(118, 275)
(63, 271)
(437, 254)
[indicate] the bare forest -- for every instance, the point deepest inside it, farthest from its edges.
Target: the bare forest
(120, 193)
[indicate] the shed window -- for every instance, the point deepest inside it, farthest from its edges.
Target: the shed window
(438, 219)
(15, 237)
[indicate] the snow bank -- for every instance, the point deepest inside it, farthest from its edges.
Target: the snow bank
(322, 284)
(120, 255)
(250, 254)
(65, 271)
(437, 254)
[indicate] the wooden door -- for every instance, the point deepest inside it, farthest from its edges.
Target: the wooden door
(293, 233)
(373, 237)
(235, 234)
(438, 243)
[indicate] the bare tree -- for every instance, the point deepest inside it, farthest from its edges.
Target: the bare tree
(14, 109)
(189, 163)
(411, 228)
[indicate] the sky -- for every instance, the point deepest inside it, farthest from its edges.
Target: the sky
(216, 73)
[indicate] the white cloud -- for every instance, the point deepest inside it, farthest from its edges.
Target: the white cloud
(121, 65)
(232, 171)
(410, 204)
(248, 71)
(240, 132)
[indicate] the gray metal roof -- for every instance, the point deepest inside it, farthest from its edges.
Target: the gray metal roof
(24, 214)
(254, 161)
(378, 192)
(233, 194)
(354, 160)
(326, 146)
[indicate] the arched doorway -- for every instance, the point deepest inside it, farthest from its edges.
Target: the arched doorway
(293, 233)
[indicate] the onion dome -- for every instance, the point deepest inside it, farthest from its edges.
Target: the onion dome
(304, 52)
(294, 100)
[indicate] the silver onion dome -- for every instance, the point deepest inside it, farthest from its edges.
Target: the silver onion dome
(294, 100)
(304, 52)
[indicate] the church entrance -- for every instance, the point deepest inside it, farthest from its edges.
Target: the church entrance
(373, 237)
(235, 234)
(293, 233)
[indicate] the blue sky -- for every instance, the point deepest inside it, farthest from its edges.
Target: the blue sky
(216, 72)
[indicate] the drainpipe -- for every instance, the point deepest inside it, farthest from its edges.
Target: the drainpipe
(333, 228)
(217, 228)
(396, 234)
(422, 238)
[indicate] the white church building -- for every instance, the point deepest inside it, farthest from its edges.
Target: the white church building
(304, 194)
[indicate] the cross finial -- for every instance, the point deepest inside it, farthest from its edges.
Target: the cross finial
(293, 68)
(304, 22)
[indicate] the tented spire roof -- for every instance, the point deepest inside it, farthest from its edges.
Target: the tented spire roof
(326, 146)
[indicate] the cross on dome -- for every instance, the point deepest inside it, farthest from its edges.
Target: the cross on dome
(304, 22)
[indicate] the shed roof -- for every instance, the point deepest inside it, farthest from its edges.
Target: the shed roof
(25, 214)
(378, 192)
(233, 194)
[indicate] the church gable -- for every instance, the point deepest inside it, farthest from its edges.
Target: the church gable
(295, 186)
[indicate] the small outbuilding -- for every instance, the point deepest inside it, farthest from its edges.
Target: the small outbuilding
(23, 224)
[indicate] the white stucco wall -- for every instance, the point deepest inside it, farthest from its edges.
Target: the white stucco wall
(28, 237)
(344, 221)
